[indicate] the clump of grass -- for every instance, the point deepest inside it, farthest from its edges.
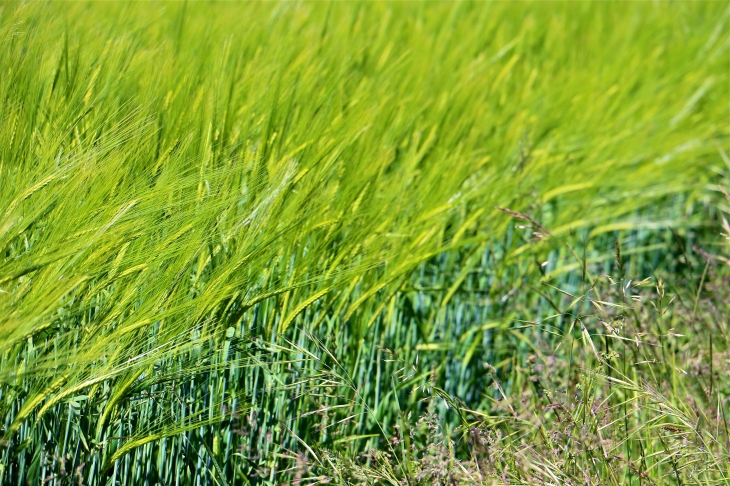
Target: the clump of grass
(218, 211)
(634, 393)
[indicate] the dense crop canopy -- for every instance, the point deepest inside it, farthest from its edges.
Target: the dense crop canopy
(211, 211)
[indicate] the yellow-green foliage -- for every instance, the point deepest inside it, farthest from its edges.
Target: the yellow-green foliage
(215, 216)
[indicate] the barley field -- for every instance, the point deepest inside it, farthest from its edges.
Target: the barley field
(384, 243)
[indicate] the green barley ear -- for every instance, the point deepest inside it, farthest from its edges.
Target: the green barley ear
(120, 391)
